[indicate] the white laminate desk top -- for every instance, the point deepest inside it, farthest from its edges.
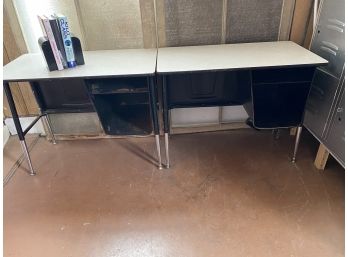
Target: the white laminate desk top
(234, 56)
(97, 64)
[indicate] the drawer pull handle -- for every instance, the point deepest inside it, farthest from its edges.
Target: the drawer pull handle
(326, 49)
(340, 109)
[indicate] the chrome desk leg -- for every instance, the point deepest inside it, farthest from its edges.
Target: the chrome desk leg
(165, 119)
(158, 146)
(20, 133)
(49, 127)
(298, 135)
(166, 143)
(27, 156)
(153, 99)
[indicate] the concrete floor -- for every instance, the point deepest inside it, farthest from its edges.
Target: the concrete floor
(227, 194)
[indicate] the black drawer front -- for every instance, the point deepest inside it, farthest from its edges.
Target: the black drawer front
(207, 89)
(64, 95)
(304, 74)
(279, 104)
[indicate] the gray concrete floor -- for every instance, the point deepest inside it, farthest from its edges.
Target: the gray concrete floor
(227, 194)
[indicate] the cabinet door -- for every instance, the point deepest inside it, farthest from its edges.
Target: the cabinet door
(335, 137)
(320, 100)
(328, 41)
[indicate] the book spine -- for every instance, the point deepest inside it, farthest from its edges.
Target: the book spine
(58, 39)
(53, 44)
(69, 50)
(42, 26)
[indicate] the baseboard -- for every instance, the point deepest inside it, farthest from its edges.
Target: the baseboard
(25, 122)
(6, 135)
(208, 128)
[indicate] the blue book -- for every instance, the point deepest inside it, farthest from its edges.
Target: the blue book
(69, 50)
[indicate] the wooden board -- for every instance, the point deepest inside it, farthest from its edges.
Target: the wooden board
(300, 22)
(321, 158)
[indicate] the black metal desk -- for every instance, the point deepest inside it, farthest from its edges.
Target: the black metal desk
(99, 65)
(271, 80)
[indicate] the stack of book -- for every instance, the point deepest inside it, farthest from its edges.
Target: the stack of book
(55, 29)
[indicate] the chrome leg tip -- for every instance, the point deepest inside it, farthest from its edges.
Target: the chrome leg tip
(32, 174)
(167, 166)
(160, 167)
(54, 142)
(293, 160)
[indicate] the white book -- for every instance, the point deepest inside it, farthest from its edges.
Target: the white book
(50, 36)
(42, 26)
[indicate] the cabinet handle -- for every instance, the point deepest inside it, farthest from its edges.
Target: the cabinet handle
(340, 109)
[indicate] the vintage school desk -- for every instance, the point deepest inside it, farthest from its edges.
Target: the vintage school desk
(270, 79)
(126, 77)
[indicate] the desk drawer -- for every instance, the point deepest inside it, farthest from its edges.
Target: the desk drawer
(279, 104)
(304, 74)
(319, 102)
(207, 89)
(66, 95)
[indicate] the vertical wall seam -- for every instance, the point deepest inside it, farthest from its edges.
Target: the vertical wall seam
(292, 18)
(142, 22)
(308, 23)
(286, 19)
(155, 18)
(82, 26)
(223, 21)
(223, 41)
(281, 20)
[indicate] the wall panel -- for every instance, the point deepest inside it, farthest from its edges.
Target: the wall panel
(192, 22)
(148, 22)
(111, 24)
(253, 20)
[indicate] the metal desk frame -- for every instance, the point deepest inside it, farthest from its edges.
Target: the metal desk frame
(147, 72)
(232, 57)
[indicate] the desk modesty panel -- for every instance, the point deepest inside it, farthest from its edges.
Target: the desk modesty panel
(29, 67)
(234, 56)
